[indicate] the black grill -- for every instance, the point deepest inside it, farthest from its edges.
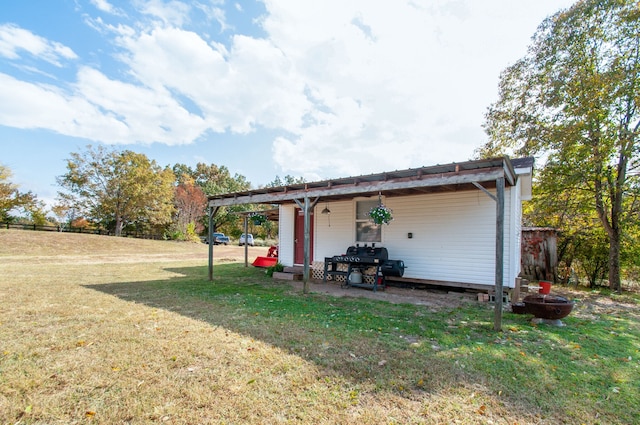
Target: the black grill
(361, 258)
(363, 255)
(393, 268)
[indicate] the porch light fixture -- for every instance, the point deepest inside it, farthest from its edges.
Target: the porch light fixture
(327, 211)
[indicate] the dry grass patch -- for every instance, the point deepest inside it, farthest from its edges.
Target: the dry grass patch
(74, 354)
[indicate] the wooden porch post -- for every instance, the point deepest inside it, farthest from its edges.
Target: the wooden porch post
(246, 240)
(306, 207)
(307, 245)
(497, 321)
(209, 239)
(499, 270)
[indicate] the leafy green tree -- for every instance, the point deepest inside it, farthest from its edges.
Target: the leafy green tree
(183, 173)
(11, 199)
(573, 100)
(37, 211)
(582, 242)
(215, 180)
(118, 189)
(287, 180)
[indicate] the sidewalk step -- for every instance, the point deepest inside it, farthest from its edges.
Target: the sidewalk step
(287, 276)
(294, 269)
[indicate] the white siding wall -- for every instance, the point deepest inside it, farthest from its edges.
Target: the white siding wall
(453, 235)
(335, 239)
(514, 225)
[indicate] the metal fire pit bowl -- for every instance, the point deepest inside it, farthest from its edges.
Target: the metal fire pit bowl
(519, 308)
(550, 307)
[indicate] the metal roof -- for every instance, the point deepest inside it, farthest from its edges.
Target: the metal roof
(438, 178)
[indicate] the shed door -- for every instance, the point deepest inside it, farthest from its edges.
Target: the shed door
(298, 238)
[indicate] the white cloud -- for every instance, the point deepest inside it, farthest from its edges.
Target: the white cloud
(400, 85)
(100, 109)
(171, 12)
(14, 39)
(215, 13)
(386, 79)
(253, 84)
(105, 6)
(142, 114)
(42, 106)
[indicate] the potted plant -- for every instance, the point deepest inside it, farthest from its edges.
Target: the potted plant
(258, 218)
(380, 214)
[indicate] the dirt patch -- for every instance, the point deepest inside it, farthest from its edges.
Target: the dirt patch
(591, 305)
(434, 299)
(587, 304)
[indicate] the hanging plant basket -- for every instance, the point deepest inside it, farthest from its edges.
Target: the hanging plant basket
(381, 214)
(258, 218)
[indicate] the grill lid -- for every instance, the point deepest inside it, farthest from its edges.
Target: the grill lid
(368, 252)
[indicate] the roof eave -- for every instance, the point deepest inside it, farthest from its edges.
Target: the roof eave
(452, 176)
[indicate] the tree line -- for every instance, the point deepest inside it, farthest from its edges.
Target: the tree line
(126, 192)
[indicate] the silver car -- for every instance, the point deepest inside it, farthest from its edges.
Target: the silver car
(249, 239)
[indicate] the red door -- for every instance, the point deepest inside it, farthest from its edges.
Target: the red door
(298, 238)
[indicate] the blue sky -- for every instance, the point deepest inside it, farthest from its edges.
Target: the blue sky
(317, 89)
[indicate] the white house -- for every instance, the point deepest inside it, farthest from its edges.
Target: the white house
(456, 224)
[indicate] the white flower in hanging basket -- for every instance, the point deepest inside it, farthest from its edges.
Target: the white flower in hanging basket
(381, 214)
(258, 218)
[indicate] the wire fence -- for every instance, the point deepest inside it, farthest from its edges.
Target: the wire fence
(70, 229)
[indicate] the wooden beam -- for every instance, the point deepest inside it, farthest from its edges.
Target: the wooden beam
(431, 282)
(482, 188)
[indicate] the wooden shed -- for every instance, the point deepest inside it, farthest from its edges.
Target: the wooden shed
(539, 253)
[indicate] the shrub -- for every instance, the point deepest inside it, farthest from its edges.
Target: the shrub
(278, 267)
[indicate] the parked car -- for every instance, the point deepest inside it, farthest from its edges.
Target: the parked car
(249, 239)
(218, 238)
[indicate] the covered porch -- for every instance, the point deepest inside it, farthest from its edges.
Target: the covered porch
(488, 178)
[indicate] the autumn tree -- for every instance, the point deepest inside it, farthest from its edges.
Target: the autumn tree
(12, 200)
(190, 207)
(214, 180)
(573, 101)
(37, 212)
(118, 189)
